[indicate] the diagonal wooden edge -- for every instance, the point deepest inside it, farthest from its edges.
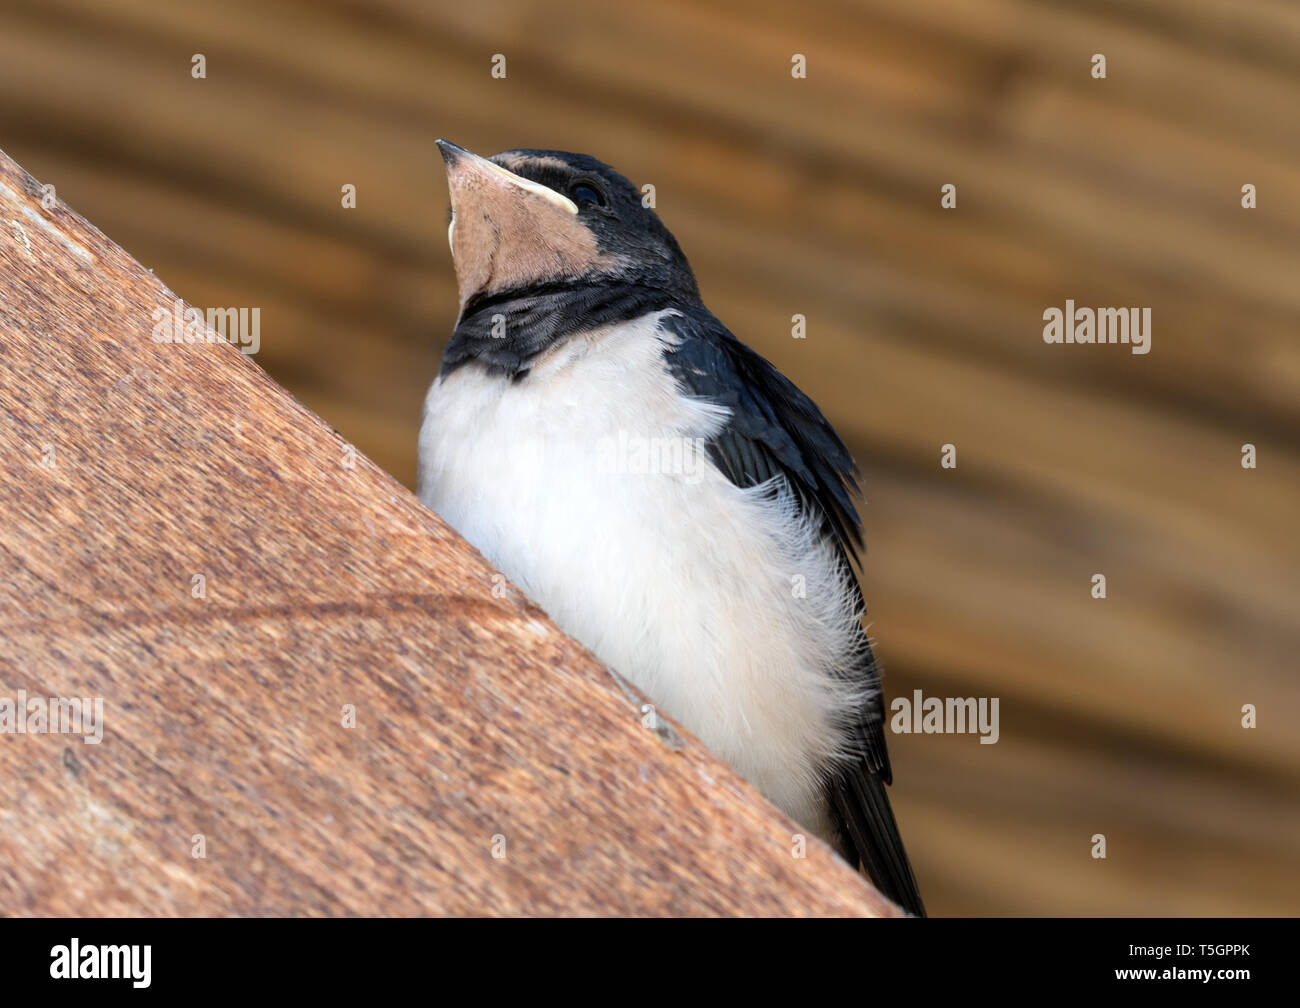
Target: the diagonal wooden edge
(184, 542)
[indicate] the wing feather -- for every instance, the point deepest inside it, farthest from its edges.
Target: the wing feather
(774, 429)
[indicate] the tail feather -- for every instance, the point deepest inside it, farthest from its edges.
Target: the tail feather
(871, 837)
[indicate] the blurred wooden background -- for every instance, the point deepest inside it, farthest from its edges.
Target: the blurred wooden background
(821, 197)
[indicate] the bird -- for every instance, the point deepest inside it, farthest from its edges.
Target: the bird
(662, 491)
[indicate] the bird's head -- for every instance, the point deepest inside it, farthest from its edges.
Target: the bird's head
(525, 220)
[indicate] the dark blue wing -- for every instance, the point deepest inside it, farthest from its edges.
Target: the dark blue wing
(775, 429)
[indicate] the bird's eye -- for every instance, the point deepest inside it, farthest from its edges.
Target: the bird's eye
(586, 192)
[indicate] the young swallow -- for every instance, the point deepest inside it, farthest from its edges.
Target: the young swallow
(663, 492)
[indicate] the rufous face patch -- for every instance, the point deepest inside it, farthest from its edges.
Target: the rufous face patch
(509, 232)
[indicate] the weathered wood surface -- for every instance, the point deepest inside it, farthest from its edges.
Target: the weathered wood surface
(132, 465)
(821, 197)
